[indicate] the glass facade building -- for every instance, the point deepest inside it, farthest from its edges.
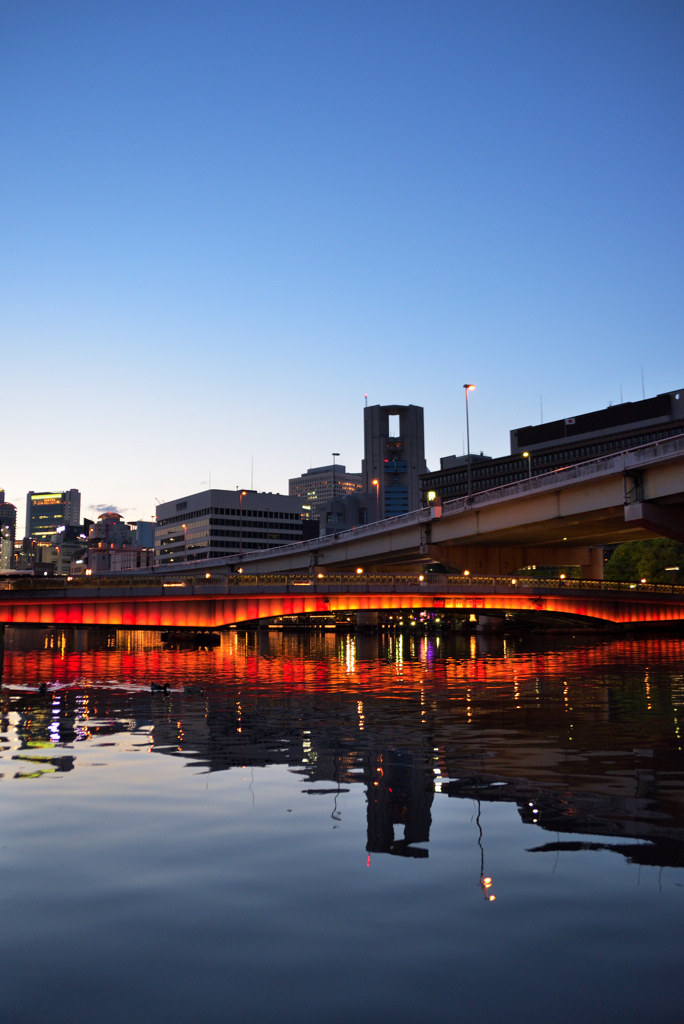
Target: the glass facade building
(46, 511)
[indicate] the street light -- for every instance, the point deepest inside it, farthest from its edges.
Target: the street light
(467, 388)
(242, 494)
(526, 455)
(376, 485)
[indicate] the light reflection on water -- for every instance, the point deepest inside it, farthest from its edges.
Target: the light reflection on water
(369, 828)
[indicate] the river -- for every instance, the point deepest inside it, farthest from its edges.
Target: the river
(305, 826)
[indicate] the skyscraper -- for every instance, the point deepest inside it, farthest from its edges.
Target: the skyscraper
(46, 510)
(394, 457)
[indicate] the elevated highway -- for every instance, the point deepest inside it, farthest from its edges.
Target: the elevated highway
(213, 603)
(558, 518)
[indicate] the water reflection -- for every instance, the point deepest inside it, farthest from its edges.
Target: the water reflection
(584, 738)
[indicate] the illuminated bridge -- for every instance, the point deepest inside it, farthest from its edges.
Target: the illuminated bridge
(212, 602)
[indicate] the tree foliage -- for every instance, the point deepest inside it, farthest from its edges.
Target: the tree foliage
(647, 559)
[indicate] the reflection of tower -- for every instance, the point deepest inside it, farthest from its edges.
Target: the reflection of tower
(400, 792)
(394, 455)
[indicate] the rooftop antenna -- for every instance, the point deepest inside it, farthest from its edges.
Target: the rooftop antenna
(365, 399)
(643, 386)
(541, 409)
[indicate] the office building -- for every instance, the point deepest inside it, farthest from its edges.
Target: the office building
(114, 546)
(47, 510)
(394, 456)
(318, 486)
(59, 550)
(346, 513)
(143, 534)
(111, 530)
(6, 548)
(126, 559)
(551, 446)
(216, 523)
(8, 526)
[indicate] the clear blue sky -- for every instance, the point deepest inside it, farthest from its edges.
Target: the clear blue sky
(222, 223)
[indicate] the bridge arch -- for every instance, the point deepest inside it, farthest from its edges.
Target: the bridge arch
(215, 607)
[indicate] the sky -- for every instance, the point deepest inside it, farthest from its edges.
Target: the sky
(223, 223)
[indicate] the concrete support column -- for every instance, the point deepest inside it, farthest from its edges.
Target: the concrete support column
(366, 620)
(594, 570)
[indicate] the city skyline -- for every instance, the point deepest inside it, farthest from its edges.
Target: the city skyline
(100, 509)
(225, 226)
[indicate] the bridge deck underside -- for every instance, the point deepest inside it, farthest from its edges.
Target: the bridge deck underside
(214, 613)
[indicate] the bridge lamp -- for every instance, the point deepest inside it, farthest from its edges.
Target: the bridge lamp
(421, 578)
(321, 575)
(359, 571)
(562, 576)
(514, 582)
(466, 572)
(208, 575)
(643, 581)
(526, 455)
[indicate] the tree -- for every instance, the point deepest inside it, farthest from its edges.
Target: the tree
(650, 560)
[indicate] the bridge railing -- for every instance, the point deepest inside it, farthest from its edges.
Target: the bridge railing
(234, 582)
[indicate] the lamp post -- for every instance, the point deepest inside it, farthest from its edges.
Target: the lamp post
(467, 388)
(376, 485)
(242, 494)
(526, 455)
(335, 455)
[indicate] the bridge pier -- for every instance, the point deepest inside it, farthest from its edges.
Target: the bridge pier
(490, 624)
(594, 570)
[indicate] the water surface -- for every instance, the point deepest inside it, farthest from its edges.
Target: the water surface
(311, 826)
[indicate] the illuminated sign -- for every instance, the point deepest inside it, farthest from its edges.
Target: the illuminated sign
(46, 499)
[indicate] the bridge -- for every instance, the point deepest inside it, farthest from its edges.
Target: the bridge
(559, 518)
(213, 602)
